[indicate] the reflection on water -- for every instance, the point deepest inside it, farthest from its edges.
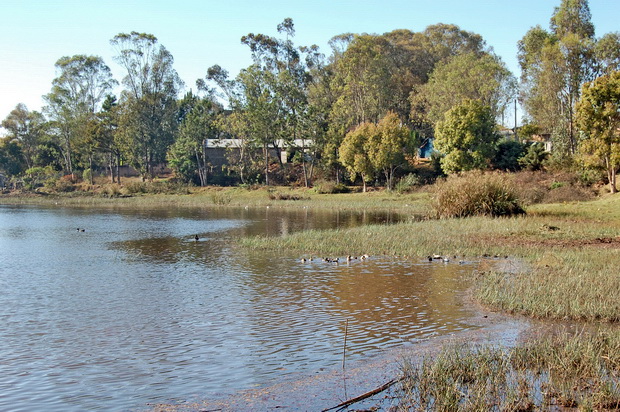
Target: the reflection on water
(133, 310)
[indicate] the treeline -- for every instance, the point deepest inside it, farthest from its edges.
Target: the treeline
(362, 111)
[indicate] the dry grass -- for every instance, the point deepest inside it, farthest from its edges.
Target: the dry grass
(476, 194)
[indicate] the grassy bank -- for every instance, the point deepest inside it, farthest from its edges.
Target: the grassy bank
(279, 197)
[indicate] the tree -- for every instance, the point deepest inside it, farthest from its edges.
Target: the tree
(391, 146)
(598, 116)
(27, 129)
(468, 76)
(187, 155)
(507, 155)
(354, 152)
(554, 65)
(147, 120)
(77, 92)
(467, 137)
(534, 157)
(104, 137)
(11, 157)
(269, 98)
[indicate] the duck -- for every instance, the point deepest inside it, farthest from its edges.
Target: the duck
(430, 258)
(303, 260)
(196, 238)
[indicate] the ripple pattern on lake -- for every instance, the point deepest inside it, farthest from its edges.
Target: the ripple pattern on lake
(133, 310)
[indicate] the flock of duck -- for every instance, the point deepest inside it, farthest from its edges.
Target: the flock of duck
(335, 260)
(430, 258)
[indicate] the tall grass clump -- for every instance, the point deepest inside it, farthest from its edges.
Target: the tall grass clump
(476, 194)
(575, 371)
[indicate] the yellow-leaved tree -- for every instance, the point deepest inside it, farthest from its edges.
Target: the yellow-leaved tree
(598, 117)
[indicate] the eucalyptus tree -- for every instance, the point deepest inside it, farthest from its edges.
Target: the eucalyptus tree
(148, 120)
(198, 122)
(27, 129)
(77, 92)
(554, 65)
(472, 76)
(269, 98)
(104, 137)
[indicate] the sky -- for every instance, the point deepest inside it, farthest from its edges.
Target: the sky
(34, 34)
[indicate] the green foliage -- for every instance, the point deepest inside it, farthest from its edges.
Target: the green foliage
(467, 137)
(534, 157)
(598, 116)
(468, 76)
(87, 175)
(476, 193)
(507, 155)
(36, 176)
(408, 183)
(354, 152)
(147, 112)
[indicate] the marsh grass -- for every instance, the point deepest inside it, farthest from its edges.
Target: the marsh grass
(567, 370)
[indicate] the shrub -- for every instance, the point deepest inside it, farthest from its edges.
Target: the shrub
(221, 198)
(534, 157)
(136, 187)
(328, 187)
(476, 193)
(111, 190)
(285, 196)
(407, 183)
(61, 185)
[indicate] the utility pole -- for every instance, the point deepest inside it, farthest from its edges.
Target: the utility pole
(515, 129)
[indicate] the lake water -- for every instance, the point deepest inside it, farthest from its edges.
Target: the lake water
(133, 311)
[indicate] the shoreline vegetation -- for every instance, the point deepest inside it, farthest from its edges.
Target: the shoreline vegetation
(567, 254)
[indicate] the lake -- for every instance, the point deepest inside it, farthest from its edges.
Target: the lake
(133, 310)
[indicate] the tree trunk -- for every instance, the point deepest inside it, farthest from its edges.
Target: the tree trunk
(266, 154)
(118, 168)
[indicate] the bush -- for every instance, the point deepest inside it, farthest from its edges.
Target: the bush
(407, 183)
(476, 193)
(285, 196)
(111, 190)
(221, 198)
(328, 187)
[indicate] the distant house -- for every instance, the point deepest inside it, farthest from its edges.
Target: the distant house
(426, 149)
(544, 138)
(217, 149)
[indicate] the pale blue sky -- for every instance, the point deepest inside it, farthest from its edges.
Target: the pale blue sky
(36, 33)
